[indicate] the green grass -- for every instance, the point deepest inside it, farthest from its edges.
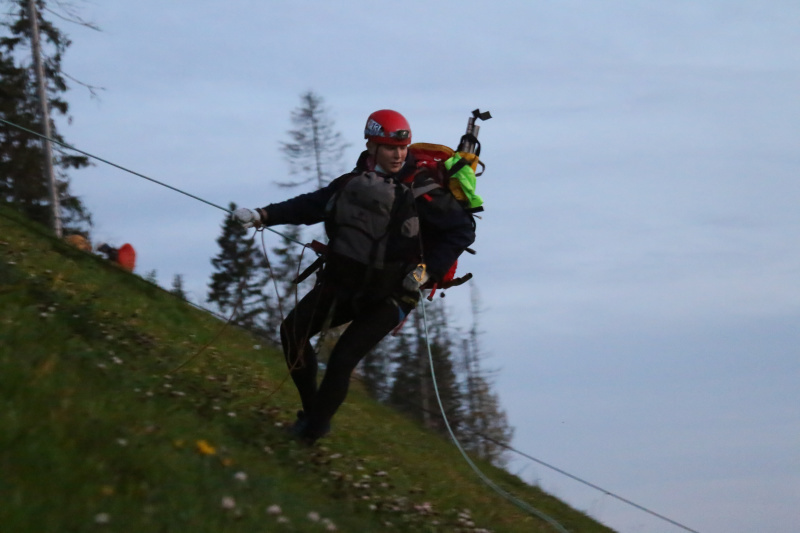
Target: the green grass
(114, 418)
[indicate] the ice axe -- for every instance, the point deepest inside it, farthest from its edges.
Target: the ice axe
(469, 143)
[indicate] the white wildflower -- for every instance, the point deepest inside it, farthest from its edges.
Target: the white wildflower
(274, 509)
(228, 502)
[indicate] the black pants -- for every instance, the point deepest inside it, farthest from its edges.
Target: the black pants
(371, 321)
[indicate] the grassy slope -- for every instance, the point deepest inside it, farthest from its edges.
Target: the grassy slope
(99, 431)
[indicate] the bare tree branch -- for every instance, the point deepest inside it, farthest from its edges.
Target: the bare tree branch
(71, 15)
(92, 88)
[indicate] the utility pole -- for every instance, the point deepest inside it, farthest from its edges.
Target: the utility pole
(44, 111)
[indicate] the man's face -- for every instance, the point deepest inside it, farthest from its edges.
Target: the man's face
(390, 158)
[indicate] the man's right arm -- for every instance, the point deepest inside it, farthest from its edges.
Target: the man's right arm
(308, 208)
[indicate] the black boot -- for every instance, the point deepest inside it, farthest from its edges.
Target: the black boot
(308, 430)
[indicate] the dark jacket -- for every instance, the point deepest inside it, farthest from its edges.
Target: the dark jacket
(446, 228)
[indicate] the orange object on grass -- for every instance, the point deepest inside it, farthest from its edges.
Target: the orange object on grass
(79, 242)
(126, 257)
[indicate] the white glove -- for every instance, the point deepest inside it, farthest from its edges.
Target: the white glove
(247, 217)
(416, 279)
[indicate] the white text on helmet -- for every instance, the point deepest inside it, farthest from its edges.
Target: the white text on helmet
(373, 129)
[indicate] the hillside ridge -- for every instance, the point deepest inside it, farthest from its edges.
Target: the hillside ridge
(101, 431)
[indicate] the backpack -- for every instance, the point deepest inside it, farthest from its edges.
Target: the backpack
(454, 171)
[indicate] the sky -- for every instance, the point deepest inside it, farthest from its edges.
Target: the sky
(638, 259)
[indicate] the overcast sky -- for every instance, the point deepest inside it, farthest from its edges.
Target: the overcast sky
(638, 259)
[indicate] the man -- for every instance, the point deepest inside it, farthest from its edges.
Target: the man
(391, 231)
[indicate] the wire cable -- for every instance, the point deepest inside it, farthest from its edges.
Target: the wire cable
(415, 405)
(107, 162)
(516, 501)
(587, 483)
(138, 174)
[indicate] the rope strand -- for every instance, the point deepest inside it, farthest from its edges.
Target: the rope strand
(516, 501)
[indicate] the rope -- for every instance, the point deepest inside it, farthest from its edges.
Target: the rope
(239, 303)
(209, 343)
(505, 494)
(516, 501)
(526, 507)
(236, 307)
(588, 484)
(120, 167)
(415, 405)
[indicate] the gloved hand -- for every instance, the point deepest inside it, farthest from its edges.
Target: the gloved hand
(416, 279)
(249, 218)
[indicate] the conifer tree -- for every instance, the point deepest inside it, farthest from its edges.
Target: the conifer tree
(151, 276)
(177, 287)
(412, 390)
(405, 393)
(485, 428)
(239, 279)
(447, 387)
(316, 150)
(22, 179)
(375, 369)
(314, 155)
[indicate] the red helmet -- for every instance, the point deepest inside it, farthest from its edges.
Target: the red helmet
(388, 127)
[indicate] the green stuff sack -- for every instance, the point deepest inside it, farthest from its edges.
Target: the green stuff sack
(463, 181)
